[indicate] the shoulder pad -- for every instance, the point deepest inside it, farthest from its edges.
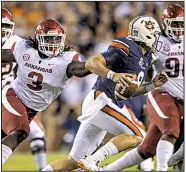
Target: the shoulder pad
(122, 44)
(71, 56)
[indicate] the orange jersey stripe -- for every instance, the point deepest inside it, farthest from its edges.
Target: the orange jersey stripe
(107, 109)
(121, 46)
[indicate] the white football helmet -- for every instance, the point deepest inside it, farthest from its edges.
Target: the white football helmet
(145, 29)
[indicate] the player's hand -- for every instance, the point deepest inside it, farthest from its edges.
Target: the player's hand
(160, 79)
(123, 78)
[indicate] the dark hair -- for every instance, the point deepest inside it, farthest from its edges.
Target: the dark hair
(33, 43)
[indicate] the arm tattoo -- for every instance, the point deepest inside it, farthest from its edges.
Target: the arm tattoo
(7, 56)
(78, 69)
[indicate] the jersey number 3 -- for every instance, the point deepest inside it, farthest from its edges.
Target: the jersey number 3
(36, 85)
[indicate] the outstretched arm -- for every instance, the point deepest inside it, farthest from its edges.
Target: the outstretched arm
(97, 65)
(158, 81)
(7, 56)
(76, 68)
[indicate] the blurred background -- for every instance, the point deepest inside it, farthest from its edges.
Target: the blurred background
(90, 28)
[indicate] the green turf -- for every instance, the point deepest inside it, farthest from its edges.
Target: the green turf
(25, 162)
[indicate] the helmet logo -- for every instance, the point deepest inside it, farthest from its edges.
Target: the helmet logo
(149, 25)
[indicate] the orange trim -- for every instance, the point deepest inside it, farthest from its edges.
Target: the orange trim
(98, 93)
(136, 122)
(37, 121)
(121, 46)
(122, 119)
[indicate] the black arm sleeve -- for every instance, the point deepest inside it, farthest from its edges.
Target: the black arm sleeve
(78, 69)
(114, 56)
(7, 56)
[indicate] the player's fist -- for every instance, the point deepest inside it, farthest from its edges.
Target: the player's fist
(160, 79)
(124, 79)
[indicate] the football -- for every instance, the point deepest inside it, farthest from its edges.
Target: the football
(127, 92)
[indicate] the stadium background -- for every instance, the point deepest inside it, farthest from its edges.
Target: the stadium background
(90, 28)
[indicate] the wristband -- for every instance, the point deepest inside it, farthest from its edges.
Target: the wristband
(110, 74)
(150, 86)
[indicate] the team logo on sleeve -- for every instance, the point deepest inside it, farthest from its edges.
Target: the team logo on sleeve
(26, 57)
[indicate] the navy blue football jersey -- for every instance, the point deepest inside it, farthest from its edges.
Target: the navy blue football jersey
(135, 104)
(123, 56)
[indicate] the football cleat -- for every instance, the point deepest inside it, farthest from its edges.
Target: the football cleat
(88, 164)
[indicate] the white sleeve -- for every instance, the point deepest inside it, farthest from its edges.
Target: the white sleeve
(154, 57)
(72, 56)
(14, 43)
(18, 47)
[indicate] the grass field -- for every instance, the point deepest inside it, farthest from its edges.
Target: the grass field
(25, 162)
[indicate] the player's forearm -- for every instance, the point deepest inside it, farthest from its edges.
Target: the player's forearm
(144, 88)
(78, 69)
(157, 81)
(141, 90)
(7, 56)
(97, 65)
(81, 71)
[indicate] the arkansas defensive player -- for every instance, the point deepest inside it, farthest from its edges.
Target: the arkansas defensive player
(37, 135)
(45, 66)
(165, 105)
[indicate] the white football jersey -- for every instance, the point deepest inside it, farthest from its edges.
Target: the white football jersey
(39, 81)
(170, 59)
(8, 68)
(7, 73)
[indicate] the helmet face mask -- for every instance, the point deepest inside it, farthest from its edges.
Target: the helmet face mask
(50, 38)
(146, 30)
(7, 25)
(51, 45)
(174, 29)
(173, 22)
(156, 46)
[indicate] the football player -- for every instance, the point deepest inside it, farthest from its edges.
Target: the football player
(37, 135)
(100, 111)
(165, 105)
(45, 67)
